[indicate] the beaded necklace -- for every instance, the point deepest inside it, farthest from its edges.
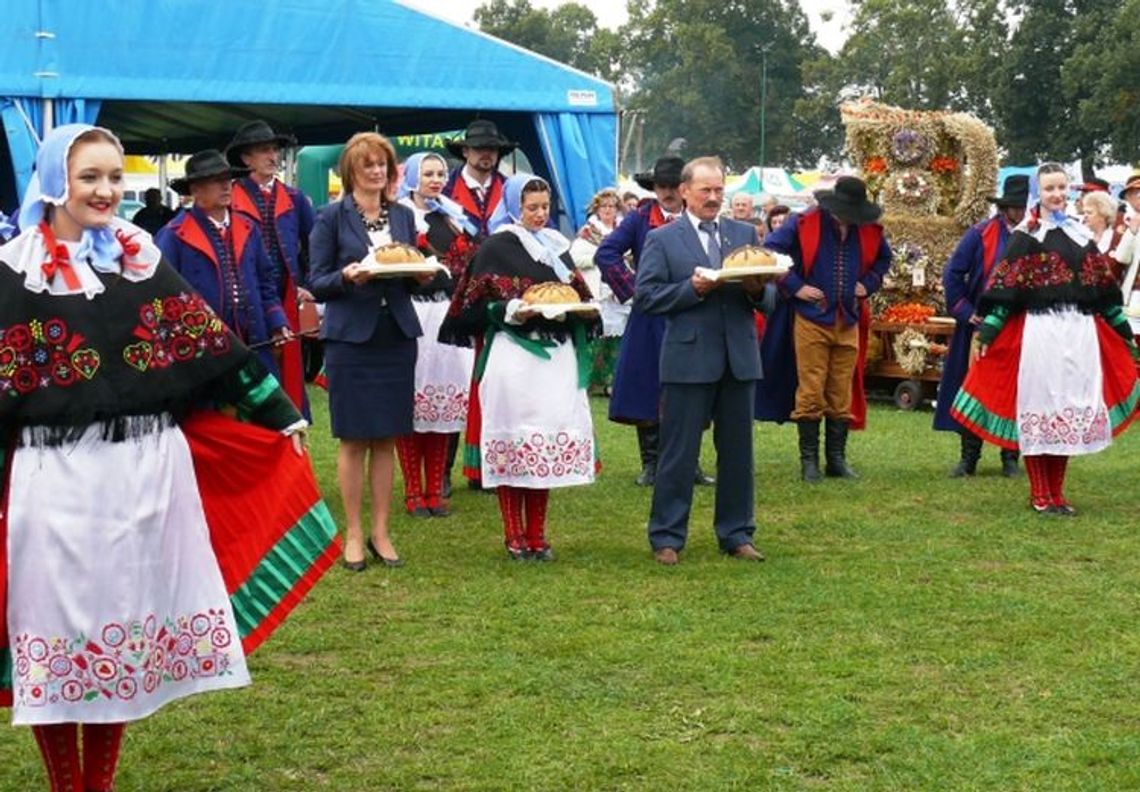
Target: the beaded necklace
(379, 224)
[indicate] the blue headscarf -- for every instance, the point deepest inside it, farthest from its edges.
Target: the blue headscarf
(411, 183)
(545, 245)
(49, 186)
(7, 228)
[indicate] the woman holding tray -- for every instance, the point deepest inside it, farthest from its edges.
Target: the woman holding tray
(369, 332)
(536, 432)
(443, 371)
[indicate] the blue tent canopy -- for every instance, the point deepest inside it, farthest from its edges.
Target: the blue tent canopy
(182, 75)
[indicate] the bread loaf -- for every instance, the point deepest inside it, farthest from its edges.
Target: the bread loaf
(397, 253)
(550, 293)
(749, 256)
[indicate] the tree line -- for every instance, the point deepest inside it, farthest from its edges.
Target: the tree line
(1057, 79)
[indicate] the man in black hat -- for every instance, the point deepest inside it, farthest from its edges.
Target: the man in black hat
(477, 186)
(220, 254)
(285, 218)
(637, 387)
(840, 256)
(964, 279)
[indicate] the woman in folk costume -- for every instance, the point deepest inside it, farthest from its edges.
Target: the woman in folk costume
(1055, 375)
(535, 432)
(443, 371)
(602, 217)
(127, 513)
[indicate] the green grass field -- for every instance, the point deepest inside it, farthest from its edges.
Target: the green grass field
(908, 631)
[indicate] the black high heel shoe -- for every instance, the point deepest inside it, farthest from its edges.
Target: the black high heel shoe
(388, 562)
(354, 566)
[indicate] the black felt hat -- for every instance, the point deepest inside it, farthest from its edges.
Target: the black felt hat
(1014, 194)
(666, 173)
(848, 201)
(254, 134)
(481, 133)
(208, 164)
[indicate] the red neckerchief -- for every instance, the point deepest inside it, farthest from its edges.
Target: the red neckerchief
(657, 216)
(60, 261)
(469, 200)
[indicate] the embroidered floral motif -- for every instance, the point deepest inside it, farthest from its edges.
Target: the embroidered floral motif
(38, 355)
(488, 288)
(174, 330)
(441, 404)
(122, 659)
(540, 456)
(1097, 269)
(1035, 271)
(459, 254)
(1070, 427)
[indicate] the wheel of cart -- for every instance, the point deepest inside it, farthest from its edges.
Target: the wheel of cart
(908, 394)
(910, 388)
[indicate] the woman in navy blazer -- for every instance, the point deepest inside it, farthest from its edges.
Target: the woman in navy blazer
(370, 330)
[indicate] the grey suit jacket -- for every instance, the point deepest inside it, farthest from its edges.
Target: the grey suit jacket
(703, 337)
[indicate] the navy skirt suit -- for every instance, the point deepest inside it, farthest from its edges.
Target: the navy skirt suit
(369, 330)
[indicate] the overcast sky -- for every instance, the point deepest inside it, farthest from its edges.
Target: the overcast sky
(611, 13)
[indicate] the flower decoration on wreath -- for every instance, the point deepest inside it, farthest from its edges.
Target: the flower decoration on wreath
(910, 191)
(910, 147)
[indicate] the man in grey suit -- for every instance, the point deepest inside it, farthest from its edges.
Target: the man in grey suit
(710, 362)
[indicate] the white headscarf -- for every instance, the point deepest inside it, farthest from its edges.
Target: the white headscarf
(544, 245)
(117, 247)
(411, 182)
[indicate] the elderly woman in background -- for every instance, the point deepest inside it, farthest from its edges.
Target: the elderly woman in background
(443, 371)
(603, 216)
(535, 432)
(1100, 216)
(369, 331)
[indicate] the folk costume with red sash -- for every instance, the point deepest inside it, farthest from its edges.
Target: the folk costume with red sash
(964, 279)
(478, 210)
(637, 385)
(285, 219)
(232, 271)
(867, 257)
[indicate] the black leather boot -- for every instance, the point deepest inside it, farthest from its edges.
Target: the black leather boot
(835, 449)
(971, 453)
(1009, 467)
(809, 450)
(647, 438)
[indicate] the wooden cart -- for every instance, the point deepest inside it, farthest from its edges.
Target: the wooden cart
(909, 389)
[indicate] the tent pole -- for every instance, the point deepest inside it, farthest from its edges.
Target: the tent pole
(49, 116)
(163, 176)
(291, 167)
